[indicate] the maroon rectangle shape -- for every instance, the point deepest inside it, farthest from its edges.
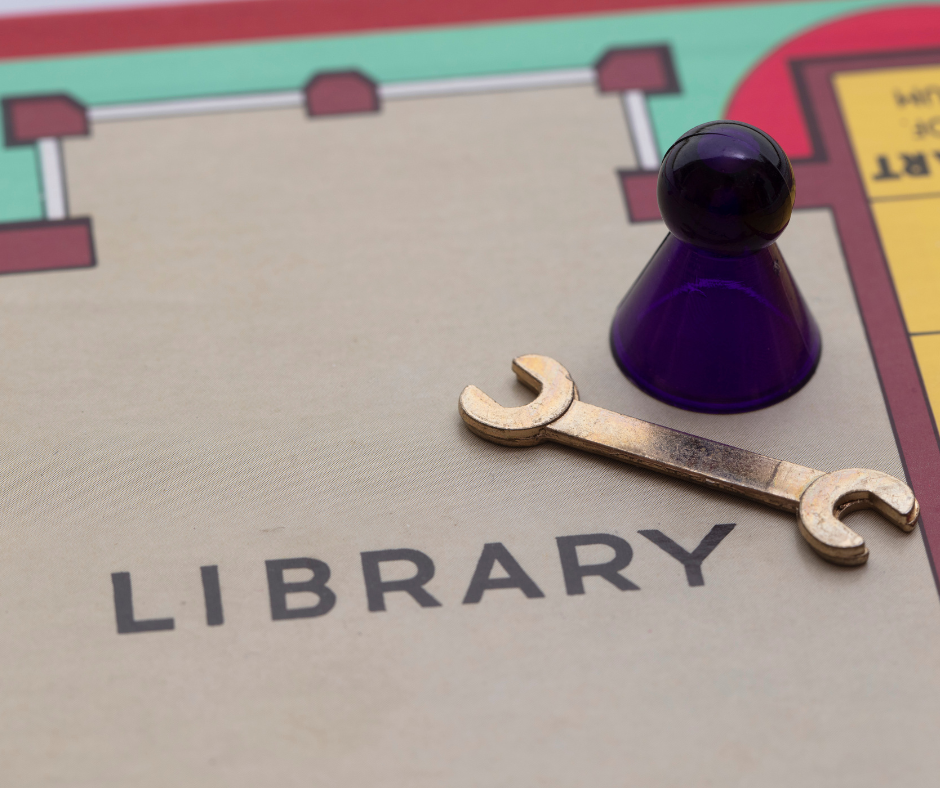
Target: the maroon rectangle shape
(46, 246)
(29, 118)
(649, 69)
(341, 93)
(639, 192)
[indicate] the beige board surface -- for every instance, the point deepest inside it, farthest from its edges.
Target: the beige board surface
(265, 364)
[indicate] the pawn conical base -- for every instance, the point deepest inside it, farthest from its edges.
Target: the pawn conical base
(715, 333)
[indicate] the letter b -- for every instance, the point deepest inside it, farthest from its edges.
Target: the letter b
(278, 588)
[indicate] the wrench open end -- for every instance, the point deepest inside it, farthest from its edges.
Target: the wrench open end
(521, 426)
(835, 494)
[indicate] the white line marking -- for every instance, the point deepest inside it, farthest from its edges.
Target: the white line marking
(641, 130)
(53, 177)
(461, 85)
(200, 106)
(394, 90)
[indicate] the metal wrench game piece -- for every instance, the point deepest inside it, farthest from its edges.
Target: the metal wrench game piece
(819, 498)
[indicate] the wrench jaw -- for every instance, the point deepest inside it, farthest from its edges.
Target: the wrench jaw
(522, 426)
(832, 496)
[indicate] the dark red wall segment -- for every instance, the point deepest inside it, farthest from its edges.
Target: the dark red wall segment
(341, 93)
(649, 69)
(639, 193)
(29, 118)
(46, 246)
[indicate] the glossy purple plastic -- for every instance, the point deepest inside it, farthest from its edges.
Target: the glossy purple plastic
(715, 334)
(715, 322)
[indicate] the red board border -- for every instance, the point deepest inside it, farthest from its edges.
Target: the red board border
(245, 20)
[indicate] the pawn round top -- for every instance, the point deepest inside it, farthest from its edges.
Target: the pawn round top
(727, 187)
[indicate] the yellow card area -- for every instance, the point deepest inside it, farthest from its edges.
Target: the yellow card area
(911, 237)
(893, 117)
(927, 350)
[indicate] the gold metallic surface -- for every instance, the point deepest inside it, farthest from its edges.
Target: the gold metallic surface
(819, 498)
(521, 426)
(840, 492)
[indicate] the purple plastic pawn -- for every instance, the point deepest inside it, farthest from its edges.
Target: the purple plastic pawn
(715, 322)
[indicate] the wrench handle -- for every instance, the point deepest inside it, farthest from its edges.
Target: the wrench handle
(717, 465)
